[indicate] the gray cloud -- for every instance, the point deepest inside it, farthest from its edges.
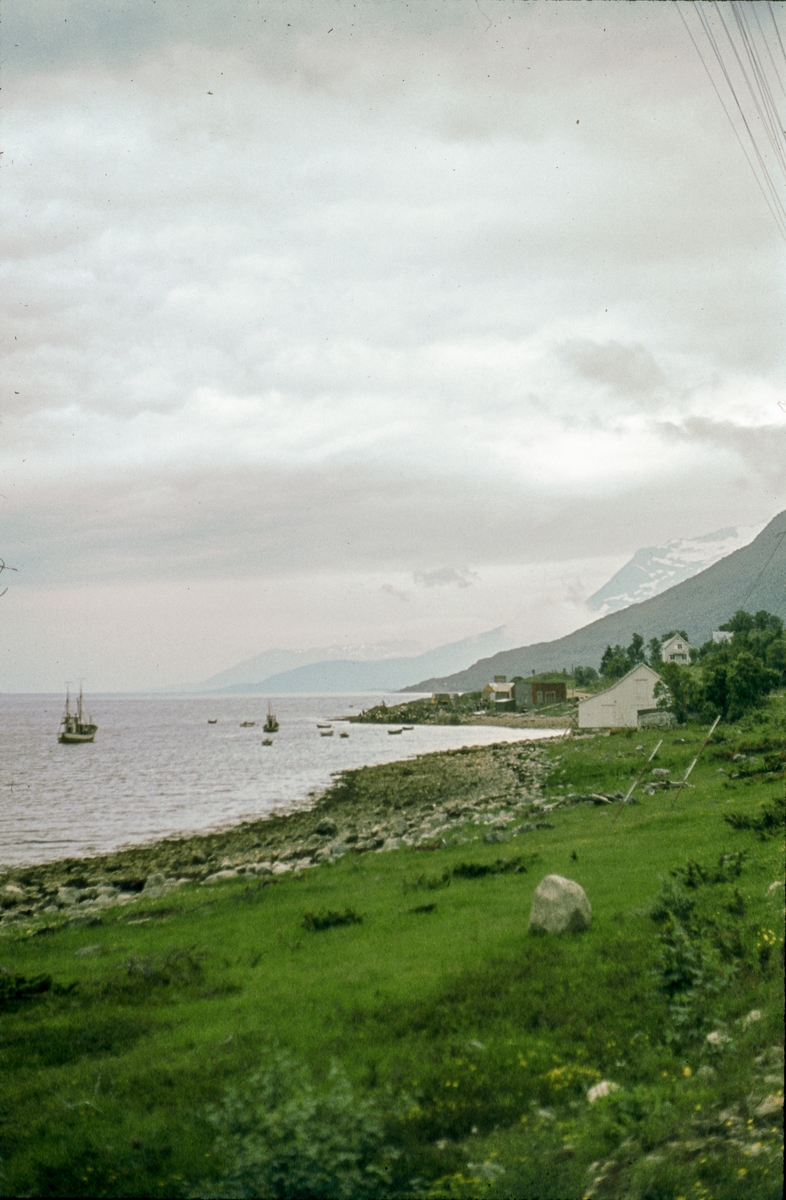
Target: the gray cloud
(460, 577)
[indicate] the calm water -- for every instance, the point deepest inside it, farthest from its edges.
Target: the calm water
(157, 768)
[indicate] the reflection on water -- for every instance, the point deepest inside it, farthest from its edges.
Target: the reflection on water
(157, 767)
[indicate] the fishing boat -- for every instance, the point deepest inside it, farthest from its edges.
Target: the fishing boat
(407, 728)
(73, 727)
(271, 722)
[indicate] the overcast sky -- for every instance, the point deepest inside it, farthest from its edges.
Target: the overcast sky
(363, 322)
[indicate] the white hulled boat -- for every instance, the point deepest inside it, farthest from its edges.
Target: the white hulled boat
(73, 727)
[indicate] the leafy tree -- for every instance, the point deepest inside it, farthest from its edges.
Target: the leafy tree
(655, 656)
(618, 660)
(748, 680)
(680, 690)
(635, 651)
(614, 663)
(584, 675)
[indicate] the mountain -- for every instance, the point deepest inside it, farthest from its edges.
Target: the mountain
(654, 569)
(376, 675)
(273, 662)
(753, 577)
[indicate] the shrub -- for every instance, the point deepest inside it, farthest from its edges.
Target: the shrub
(315, 922)
(281, 1136)
(767, 819)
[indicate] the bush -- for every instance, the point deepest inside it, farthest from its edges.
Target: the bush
(768, 819)
(315, 922)
(279, 1136)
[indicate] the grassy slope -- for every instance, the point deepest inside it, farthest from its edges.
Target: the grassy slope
(104, 1088)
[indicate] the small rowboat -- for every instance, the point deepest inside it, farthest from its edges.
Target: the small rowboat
(247, 724)
(326, 733)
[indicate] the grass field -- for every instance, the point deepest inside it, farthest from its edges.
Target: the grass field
(385, 1025)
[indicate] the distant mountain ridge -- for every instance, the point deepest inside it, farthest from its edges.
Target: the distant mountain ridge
(753, 577)
(654, 569)
(359, 675)
(274, 662)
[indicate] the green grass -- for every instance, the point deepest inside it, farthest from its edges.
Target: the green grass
(478, 1040)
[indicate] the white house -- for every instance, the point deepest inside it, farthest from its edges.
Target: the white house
(619, 706)
(675, 650)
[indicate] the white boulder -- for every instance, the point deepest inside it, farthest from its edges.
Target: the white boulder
(559, 906)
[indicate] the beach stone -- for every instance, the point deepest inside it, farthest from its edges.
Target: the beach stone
(67, 895)
(399, 827)
(281, 868)
(391, 843)
(156, 880)
(559, 906)
(327, 827)
(13, 889)
(219, 876)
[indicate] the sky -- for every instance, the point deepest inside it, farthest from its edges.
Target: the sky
(357, 323)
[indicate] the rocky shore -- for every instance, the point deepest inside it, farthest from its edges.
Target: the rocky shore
(490, 792)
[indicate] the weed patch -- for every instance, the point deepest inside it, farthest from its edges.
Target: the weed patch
(316, 922)
(502, 866)
(767, 819)
(16, 990)
(281, 1135)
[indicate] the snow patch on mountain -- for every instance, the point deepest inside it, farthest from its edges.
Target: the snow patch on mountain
(654, 569)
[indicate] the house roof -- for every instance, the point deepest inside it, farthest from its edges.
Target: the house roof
(620, 682)
(677, 638)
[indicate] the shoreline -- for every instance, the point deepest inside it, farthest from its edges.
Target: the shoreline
(366, 809)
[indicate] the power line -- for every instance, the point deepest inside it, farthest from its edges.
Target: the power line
(738, 54)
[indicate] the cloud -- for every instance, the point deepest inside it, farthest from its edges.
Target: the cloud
(460, 577)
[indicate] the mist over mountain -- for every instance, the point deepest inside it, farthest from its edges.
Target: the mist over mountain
(274, 662)
(356, 674)
(753, 577)
(654, 569)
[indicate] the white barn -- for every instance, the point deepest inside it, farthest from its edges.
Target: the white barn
(619, 706)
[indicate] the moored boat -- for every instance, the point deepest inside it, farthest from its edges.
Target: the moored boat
(271, 721)
(73, 727)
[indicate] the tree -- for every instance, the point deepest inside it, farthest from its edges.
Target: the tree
(748, 680)
(680, 690)
(614, 663)
(655, 655)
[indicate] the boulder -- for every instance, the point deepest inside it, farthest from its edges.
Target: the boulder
(327, 827)
(559, 906)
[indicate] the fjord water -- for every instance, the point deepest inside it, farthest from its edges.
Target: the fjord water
(157, 768)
